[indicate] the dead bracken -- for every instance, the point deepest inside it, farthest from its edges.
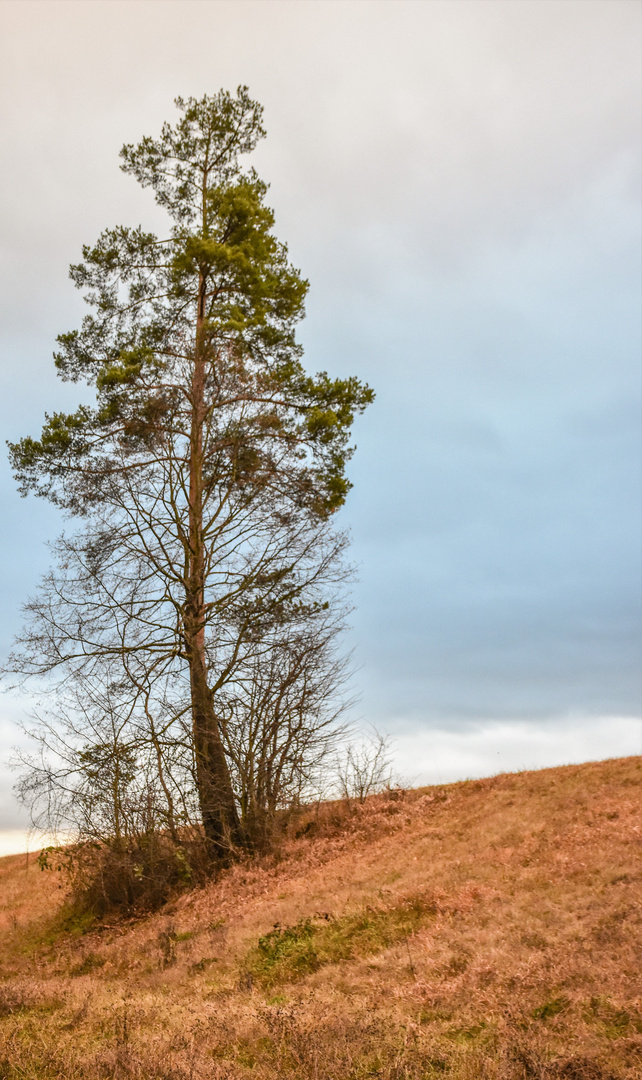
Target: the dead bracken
(481, 929)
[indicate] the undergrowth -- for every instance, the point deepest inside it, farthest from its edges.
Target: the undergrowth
(136, 875)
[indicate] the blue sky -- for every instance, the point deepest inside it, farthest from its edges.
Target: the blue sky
(460, 182)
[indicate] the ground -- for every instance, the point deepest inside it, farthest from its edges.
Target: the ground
(490, 928)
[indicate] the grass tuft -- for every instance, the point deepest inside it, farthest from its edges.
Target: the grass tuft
(551, 1008)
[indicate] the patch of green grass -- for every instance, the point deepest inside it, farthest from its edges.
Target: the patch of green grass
(432, 1016)
(253, 1052)
(616, 1023)
(394, 1056)
(551, 1008)
(371, 1065)
(68, 922)
(289, 953)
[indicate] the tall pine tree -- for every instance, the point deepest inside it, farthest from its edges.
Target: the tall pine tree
(206, 472)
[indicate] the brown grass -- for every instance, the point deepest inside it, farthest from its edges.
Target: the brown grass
(481, 929)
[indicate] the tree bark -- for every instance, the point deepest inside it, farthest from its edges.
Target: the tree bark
(216, 796)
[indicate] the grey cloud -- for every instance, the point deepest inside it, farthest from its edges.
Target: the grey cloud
(460, 183)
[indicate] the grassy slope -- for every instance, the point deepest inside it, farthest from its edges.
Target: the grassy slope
(483, 929)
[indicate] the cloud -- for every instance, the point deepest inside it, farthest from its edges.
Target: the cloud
(442, 756)
(460, 183)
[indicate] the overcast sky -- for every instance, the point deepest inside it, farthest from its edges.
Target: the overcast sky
(459, 180)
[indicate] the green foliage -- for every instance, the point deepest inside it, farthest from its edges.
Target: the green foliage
(615, 1022)
(220, 259)
(51, 858)
(551, 1008)
(72, 920)
(290, 949)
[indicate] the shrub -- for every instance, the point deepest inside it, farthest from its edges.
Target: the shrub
(137, 874)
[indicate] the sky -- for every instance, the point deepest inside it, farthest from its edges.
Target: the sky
(459, 180)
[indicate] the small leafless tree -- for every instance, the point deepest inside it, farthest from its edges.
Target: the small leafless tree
(284, 721)
(99, 635)
(365, 767)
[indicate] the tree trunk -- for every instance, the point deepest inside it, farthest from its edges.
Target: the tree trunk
(216, 795)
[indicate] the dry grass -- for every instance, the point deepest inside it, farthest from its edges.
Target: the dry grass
(483, 929)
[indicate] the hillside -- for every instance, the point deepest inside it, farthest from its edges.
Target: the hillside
(483, 929)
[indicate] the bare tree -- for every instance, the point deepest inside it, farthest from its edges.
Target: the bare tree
(114, 765)
(365, 767)
(284, 720)
(98, 772)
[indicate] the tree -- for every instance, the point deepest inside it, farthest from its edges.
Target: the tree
(365, 767)
(207, 473)
(281, 723)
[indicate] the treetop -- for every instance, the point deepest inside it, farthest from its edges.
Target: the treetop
(206, 143)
